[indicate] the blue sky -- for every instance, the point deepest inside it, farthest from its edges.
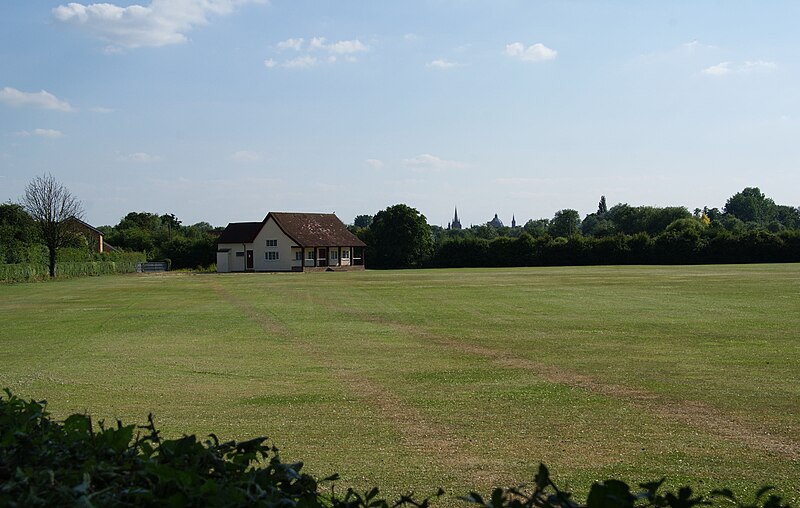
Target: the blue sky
(223, 110)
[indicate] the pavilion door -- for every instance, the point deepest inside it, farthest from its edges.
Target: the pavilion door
(323, 257)
(249, 260)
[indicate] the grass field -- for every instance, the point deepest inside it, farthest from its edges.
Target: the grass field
(465, 379)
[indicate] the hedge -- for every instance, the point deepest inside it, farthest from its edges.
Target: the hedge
(105, 264)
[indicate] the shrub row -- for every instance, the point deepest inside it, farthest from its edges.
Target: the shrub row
(75, 463)
(674, 247)
(33, 272)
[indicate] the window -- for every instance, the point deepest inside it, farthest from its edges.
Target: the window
(272, 243)
(310, 255)
(333, 254)
(345, 254)
(298, 256)
(271, 255)
(240, 254)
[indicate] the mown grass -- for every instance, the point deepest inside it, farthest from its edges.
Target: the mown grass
(458, 378)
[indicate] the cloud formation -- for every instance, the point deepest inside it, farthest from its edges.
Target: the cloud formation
(42, 133)
(749, 66)
(140, 157)
(160, 23)
(720, 69)
(316, 51)
(535, 53)
(428, 162)
(375, 163)
(441, 63)
(42, 99)
(245, 156)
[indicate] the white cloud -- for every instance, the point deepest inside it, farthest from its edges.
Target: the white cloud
(411, 37)
(691, 45)
(344, 50)
(42, 133)
(720, 69)
(428, 162)
(294, 44)
(42, 99)
(442, 64)
(757, 65)
(747, 67)
(140, 157)
(347, 47)
(245, 156)
(301, 62)
(160, 23)
(535, 53)
(375, 163)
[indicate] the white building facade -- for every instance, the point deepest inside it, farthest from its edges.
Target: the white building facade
(285, 242)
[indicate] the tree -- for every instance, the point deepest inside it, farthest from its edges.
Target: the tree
(52, 205)
(362, 221)
(565, 223)
(536, 228)
(399, 237)
(17, 233)
(602, 207)
(171, 222)
(751, 205)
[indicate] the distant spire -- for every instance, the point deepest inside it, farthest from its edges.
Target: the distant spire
(456, 224)
(513, 221)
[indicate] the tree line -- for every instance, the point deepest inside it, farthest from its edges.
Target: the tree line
(40, 231)
(750, 228)
(164, 237)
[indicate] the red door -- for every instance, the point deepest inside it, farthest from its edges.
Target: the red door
(249, 260)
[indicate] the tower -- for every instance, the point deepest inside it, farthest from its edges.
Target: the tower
(456, 224)
(513, 221)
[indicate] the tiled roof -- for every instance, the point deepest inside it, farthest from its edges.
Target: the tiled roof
(316, 229)
(307, 229)
(240, 232)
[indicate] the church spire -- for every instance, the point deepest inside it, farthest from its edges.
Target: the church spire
(456, 224)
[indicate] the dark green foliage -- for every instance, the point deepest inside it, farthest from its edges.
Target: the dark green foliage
(19, 235)
(617, 494)
(751, 205)
(648, 219)
(602, 207)
(74, 263)
(78, 463)
(362, 221)
(399, 237)
(565, 223)
(685, 241)
(164, 237)
(752, 229)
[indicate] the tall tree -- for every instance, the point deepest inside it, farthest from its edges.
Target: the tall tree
(602, 207)
(51, 205)
(565, 223)
(399, 237)
(362, 221)
(17, 233)
(751, 205)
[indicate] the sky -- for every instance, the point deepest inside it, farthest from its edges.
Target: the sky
(223, 110)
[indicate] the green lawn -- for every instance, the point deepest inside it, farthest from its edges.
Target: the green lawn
(464, 379)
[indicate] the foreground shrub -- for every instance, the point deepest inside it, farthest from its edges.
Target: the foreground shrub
(75, 463)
